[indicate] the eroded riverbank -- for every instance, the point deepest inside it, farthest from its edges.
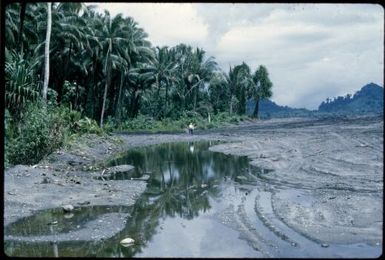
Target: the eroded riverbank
(323, 195)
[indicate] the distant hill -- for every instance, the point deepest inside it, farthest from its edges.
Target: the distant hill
(268, 108)
(370, 99)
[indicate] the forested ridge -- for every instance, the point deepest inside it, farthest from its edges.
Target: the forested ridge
(369, 99)
(71, 70)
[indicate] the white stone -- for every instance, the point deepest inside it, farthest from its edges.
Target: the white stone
(68, 208)
(127, 242)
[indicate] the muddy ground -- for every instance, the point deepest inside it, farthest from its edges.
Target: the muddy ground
(323, 180)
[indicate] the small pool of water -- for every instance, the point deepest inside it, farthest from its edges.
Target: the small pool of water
(176, 216)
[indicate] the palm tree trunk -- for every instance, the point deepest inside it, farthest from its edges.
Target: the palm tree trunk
(76, 96)
(166, 103)
(255, 113)
(117, 109)
(94, 115)
(159, 101)
(137, 105)
(22, 16)
(90, 105)
(105, 96)
(105, 88)
(134, 103)
(68, 62)
(46, 51)
(242, 104)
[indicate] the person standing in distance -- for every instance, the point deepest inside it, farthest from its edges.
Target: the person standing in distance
(190, 128)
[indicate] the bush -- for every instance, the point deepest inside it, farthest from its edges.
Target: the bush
(72, 92)
(70, 116)
(87, 125)
(234, 119)
(146, 123)
(41, 132)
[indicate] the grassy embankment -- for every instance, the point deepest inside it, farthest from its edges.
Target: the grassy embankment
(42, 130)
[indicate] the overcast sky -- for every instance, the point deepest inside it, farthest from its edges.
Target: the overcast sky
(312, 51)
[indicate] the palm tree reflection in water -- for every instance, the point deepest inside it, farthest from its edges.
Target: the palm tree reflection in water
(183, 179)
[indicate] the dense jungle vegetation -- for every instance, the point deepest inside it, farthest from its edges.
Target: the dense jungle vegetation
(71, 70)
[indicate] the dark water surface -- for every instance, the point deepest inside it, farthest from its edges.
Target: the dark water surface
(176, 216)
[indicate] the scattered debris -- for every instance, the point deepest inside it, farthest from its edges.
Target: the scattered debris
(68, 215)
(241, 177)
(68, 208)
(127, 242)
(143, 178)
(46, 180)
(84, 203)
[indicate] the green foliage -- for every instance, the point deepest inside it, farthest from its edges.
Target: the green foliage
(52, 97)
(219, 93)
(72, 94)
(262, 87)
(41, 133)
(87, 125)
(70, 116)
(149, 124)
(76, 124)
(243, 83)
(106, 66)
(20, 83)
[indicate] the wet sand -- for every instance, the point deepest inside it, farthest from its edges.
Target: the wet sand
(323, 185)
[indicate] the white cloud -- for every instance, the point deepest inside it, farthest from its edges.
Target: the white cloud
(166, 23)
(310, 59)
(312, 51)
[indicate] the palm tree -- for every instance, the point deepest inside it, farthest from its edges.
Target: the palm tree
(237, 85)
(162, 68)
(10, 26)
(70, 48)
(20, 82)
(193, 72)
(46, 51)
(112, 34)
(243, 85)
(262, 87)
(22, 16)
(219, 91)
(202, 71)
(138, 54)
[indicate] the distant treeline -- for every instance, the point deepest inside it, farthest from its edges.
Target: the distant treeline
(368, 100)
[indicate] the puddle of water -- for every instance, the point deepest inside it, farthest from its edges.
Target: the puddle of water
(185, 178)
(53, 221)
(179, 213)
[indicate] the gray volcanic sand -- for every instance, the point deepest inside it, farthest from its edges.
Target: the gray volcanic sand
(323, 184)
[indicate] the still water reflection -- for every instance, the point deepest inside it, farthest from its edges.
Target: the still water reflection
(174, 217)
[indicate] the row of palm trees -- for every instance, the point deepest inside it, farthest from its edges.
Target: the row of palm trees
(111, 59)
